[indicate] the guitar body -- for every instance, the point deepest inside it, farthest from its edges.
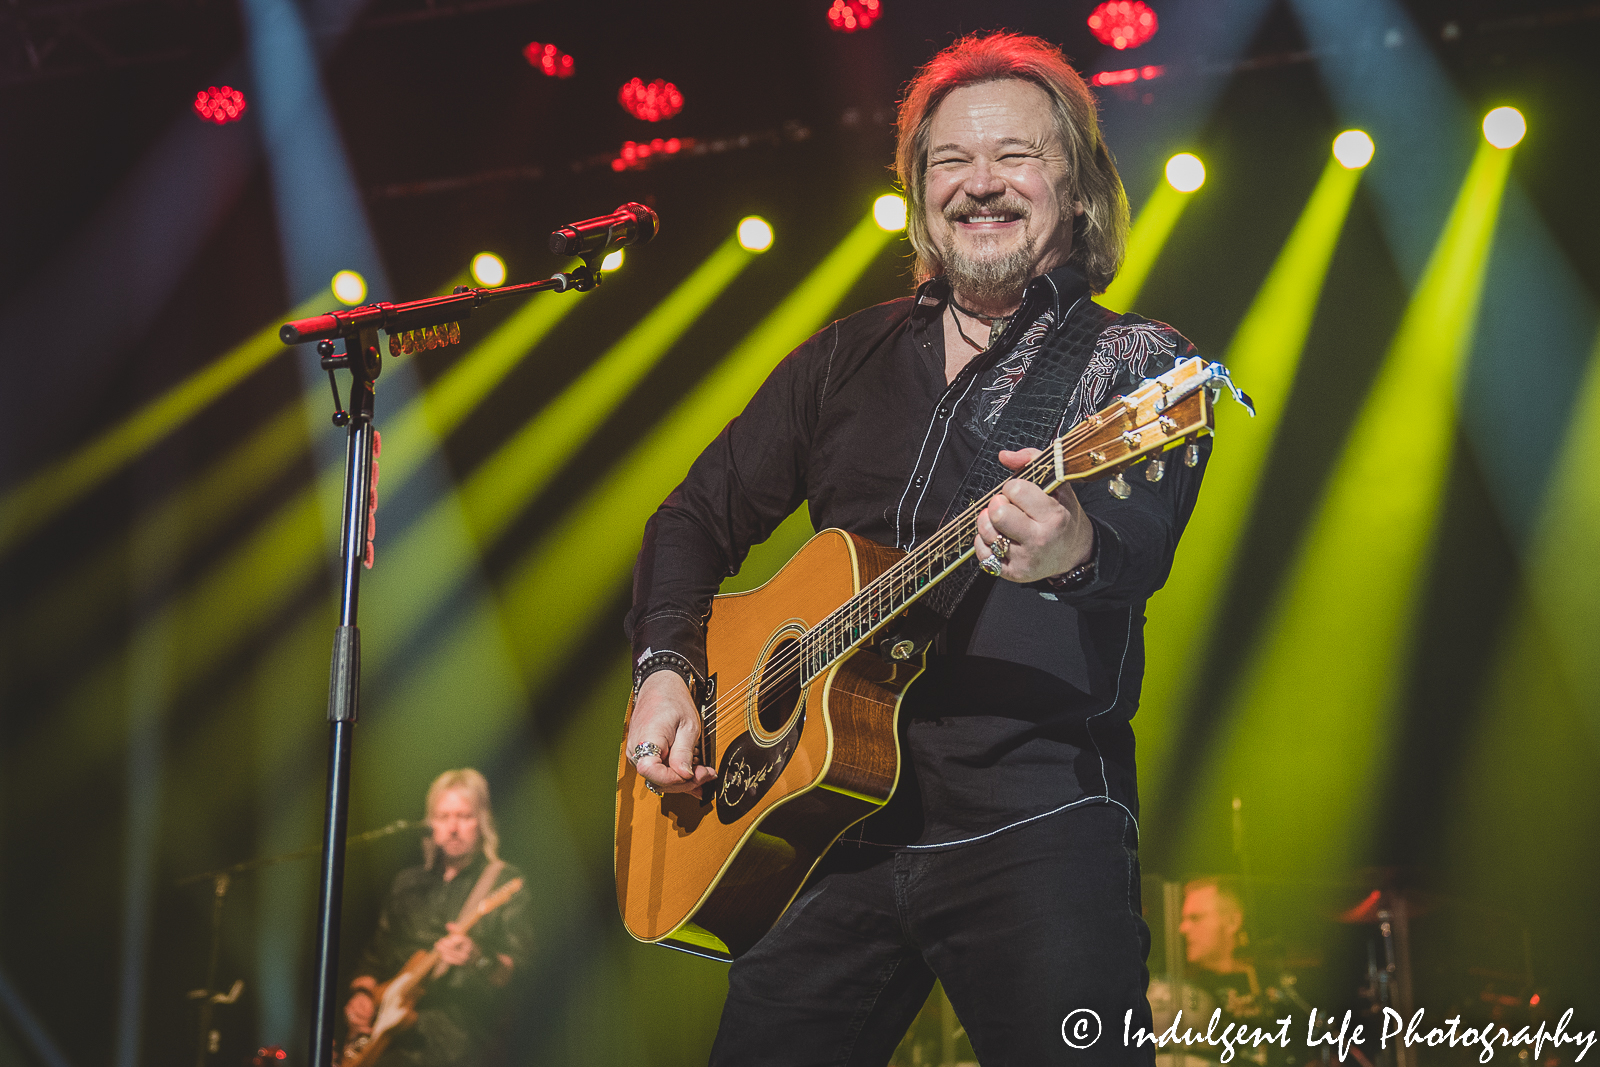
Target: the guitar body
(799, 718)
(396, 1002)
(396, 999)
(795, 768)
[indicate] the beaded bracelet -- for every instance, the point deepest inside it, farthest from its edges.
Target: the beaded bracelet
(666, 661)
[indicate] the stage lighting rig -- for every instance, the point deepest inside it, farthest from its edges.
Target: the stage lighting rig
(488, 270)
(650, 101)
(349, 288)
(221, 105)
(1127, 76)
(889, 212)
(755, 234)
(635, 155)
(1353, 149)
(1185, 172)
(549, 59)
(848, 16)
(1504, 127)
(1123, 23)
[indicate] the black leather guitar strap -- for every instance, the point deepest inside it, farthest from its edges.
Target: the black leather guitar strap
(1031, 419)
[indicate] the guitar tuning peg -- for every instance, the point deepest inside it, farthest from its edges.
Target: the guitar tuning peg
(1191, 454)
(1154, 470)
(1120, 488)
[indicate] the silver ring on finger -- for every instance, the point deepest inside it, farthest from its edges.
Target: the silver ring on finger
(643, 749)
(990, 565)
(656, 789)
(1000, 546)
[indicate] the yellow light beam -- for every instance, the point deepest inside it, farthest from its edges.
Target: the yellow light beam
(541, 619)
(538, 631)
(1540, 706)
(415, 431)
(1563, 571)
(40, 498)
(498, 489)
(1264, 356)
(1145, 242)
(526, 463)
(1303, 742)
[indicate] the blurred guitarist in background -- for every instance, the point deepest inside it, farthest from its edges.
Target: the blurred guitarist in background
(458, 1016)
(1005, 864)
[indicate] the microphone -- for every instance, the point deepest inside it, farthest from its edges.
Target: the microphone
(630, 224)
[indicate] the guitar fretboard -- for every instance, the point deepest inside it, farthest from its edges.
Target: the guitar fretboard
(858, 618)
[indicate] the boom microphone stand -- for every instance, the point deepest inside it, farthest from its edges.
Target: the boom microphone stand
(210, 996)
(421, 323)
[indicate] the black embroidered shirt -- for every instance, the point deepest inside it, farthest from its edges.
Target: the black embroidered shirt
(1025, 707)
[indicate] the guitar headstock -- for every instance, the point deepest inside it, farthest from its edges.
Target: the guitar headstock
(1174, 409)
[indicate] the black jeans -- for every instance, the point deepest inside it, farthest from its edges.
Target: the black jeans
(1030, 931)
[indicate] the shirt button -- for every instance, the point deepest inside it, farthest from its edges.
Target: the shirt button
(943, 412)
(919, 481)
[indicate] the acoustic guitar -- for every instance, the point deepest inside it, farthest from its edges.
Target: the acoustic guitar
(397, 998)
(805, 677)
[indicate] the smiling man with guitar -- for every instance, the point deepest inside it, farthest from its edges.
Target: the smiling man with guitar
(453, 933)
(788, 798)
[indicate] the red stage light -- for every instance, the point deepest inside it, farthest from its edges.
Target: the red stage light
(548, 58)
(1123, 77)
(653, 102)
(221, 106)
(848, 16)
(1124, 23)
(634, 153)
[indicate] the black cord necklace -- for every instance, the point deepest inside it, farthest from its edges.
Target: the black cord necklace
(997, 324)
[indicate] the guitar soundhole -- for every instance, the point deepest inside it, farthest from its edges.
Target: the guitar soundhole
(779, 694)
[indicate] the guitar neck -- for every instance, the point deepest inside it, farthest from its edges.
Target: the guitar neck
(861, 617)
(1163, 413)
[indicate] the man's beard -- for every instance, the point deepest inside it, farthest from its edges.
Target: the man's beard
(996, 282)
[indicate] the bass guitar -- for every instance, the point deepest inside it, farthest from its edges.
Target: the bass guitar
(397, 998)
(805, 677)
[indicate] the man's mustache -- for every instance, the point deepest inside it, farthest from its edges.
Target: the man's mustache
(998, 206)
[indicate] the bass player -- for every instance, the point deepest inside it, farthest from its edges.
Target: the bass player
(1005, 864)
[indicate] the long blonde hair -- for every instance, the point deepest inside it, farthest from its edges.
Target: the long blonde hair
(1101, 234)
(475, 788)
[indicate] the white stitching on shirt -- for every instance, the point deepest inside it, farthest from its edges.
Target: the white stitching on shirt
(927, 482)
(1013, 825)
(828, 371)
(1122, 666)
(1105, 782)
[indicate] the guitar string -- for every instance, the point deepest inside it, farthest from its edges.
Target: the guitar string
(876, 603)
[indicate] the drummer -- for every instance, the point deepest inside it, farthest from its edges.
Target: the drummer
(1213, 932)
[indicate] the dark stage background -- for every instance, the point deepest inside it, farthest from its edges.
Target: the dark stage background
(1390, 665)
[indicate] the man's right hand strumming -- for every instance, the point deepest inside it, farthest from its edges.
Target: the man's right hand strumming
(664, 715)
